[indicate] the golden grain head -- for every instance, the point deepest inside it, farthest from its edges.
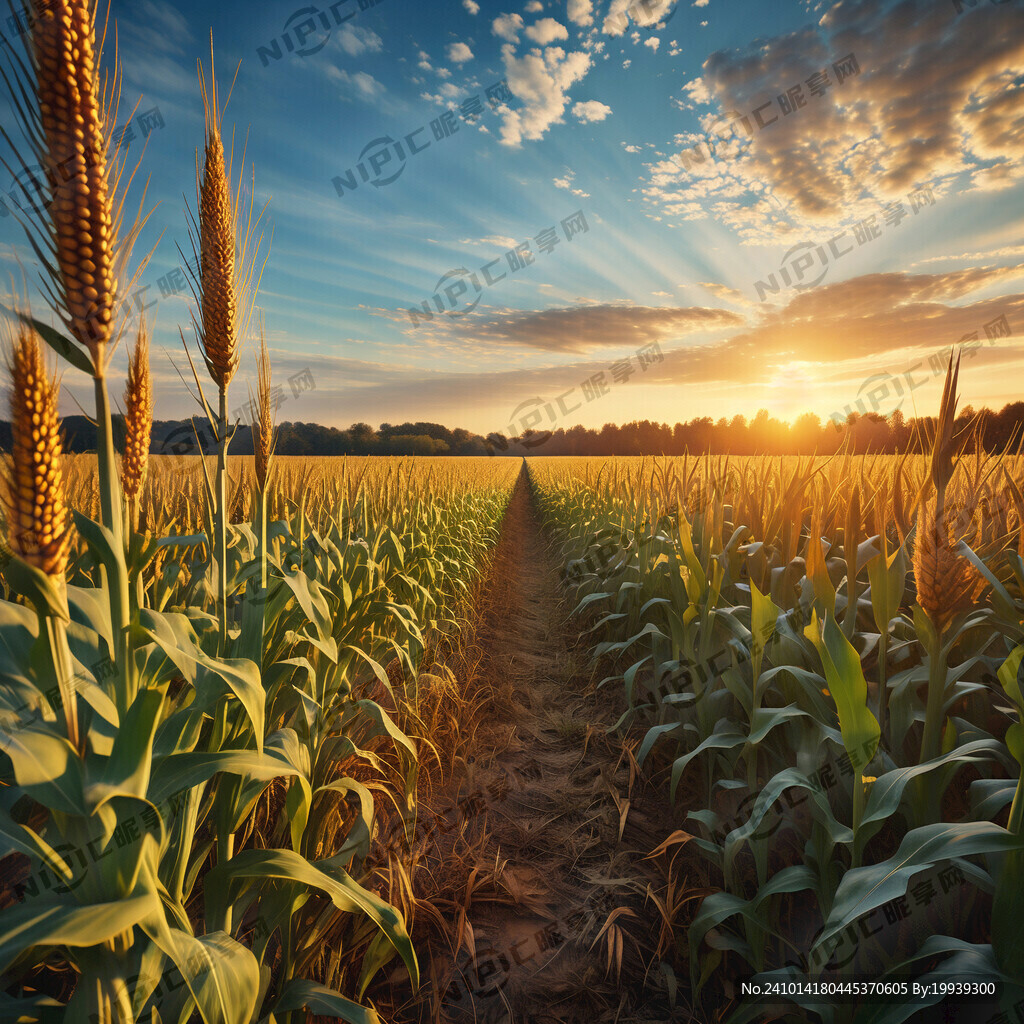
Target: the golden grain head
(72, 121)
(263, 428)
(36, 505)
(217, 260)
(947, 583)
(138, 417)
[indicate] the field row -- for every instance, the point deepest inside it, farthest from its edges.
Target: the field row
(824, 658)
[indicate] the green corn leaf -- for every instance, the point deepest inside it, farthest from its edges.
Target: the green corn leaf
(48, 599)
(211, 677)
(849, 690)
(221, 974)
(126, 771)
(887, 790)
(259, 867)
(46, 767)
(321, 1001)
(863, 890)
(888, 577)
(51, 923)
(725, 740)
(1011, 678)
(178, 772)
(764, 614)
(64, 347)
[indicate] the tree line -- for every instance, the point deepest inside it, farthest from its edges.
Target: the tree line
(763, 435)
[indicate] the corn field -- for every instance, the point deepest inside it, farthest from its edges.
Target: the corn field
(225, 685)
(827, 673)
(218, 822)
(211, 672)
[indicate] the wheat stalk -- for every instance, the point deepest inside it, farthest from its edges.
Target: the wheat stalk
(946, 582)
(224, 286)
(263, 425)
(66, 112)
(219, 307)
(37, 508)
(225, 247)
(138, 419)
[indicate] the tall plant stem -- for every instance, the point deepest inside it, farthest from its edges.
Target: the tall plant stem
(116, 573)
(931, 741)
(221, 520)
(60, 655)
(883, 680)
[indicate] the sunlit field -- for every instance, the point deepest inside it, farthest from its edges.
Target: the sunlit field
(826, 699)
(432, 740)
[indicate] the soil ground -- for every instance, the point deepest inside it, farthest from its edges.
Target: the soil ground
(564, 930)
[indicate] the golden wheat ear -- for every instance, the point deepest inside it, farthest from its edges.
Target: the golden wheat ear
(66, 112)
(947, 583)
(263, 437)
(37, 511)
(225, 247)
(38, 514)
(138, 418)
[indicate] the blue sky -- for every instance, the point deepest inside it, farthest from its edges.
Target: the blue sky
(623, 113)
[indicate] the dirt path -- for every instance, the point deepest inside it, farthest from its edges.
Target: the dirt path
(565, 932)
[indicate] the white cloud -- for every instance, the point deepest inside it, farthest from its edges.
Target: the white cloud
(472, 6)
(581, 12)
(697, 92)
(632, 149)
(547, 30)
(701, 3)
(653, 42)
(533, 7)
(363, 85)
(645, 14)
(591, 110)
(873, 141)
(491, 241)
(539, 79)
(355, 40)
(459, 53)
(567, 183)
(508, 26)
